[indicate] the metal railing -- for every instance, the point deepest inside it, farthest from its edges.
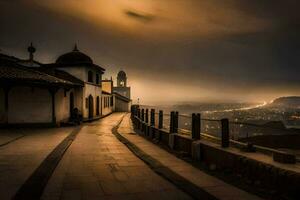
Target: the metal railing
(221, 131)
(237, 131)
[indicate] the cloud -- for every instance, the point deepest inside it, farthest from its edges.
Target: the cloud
(139, 16)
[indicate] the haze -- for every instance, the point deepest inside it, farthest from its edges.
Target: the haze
(172, 50)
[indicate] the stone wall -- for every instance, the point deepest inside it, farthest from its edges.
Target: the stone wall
(272, 178)
(291, 141)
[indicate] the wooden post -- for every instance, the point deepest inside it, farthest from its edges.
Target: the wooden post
(196, 126)
(143, 114)
(147, 116)
(152, 119)
(225, 133)
(139, 117)
(175, 123)
(139, 113)
(193, 125)
(172, 122)
(160, 120)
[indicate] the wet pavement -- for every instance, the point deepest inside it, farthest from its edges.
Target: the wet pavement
(98, 166)
(21, 153)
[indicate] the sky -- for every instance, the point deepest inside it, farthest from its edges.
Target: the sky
(172, 50)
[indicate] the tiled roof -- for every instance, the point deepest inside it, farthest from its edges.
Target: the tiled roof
(60, 74)
(13, 72)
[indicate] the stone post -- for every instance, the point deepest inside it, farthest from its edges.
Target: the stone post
(147, 116)
(175, 123)
(152, 119)
(225, 133)
(196, 126)
(139, 117)
(160, 120)
(139, 113)
(143, 114)
(172, 122)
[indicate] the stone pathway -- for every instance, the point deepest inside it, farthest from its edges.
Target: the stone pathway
(210, 184)
(19, 158)
(98, 166)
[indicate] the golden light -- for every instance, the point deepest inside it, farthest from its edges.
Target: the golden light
(161, 19)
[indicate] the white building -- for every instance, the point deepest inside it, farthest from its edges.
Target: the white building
(51, 94)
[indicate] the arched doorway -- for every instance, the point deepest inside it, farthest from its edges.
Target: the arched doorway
(98, 106)
(71, 103)
(91, 106)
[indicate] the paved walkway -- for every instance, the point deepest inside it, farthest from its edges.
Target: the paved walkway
(212, 185)
(98, 166)
(19, 158)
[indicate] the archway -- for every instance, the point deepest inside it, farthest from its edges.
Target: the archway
(91, 106)
(98, 106)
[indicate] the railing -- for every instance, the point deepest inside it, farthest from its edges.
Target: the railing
(220, 131)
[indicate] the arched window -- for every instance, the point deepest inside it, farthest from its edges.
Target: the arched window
(98, 106)
(90, 77)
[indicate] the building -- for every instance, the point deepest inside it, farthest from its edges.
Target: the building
(70, 89)
(120, 103)
(122, 87)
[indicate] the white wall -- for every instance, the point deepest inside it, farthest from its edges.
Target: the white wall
(2, 106)
(29, 105)
(90, 89)
(81, 72)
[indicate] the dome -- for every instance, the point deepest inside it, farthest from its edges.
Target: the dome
(121, 74)
(74, 57)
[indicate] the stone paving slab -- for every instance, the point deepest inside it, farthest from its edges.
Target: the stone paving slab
(98, 166)
(210, 184)
(21, 157)
(8, 135)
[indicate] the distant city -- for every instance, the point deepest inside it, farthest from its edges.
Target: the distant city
(281, 116)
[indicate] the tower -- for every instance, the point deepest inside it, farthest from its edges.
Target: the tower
(122, 87)
(121, 79)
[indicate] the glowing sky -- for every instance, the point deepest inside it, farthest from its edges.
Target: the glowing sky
(172, 50)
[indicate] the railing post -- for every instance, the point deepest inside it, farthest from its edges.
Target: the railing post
(172, 122)
(160, 119)
(139, 113)
(175, 123)
(225, 133)
(147, 116)
(152, 119)
(196, 126)
(143, 114)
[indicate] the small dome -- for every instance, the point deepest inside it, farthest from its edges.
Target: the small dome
(74, 57)
(121, 74)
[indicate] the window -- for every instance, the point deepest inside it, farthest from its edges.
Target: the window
(97, 78)
(90, 77)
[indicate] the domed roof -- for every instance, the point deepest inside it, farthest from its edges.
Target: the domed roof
(74, 57)
(121, 74)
